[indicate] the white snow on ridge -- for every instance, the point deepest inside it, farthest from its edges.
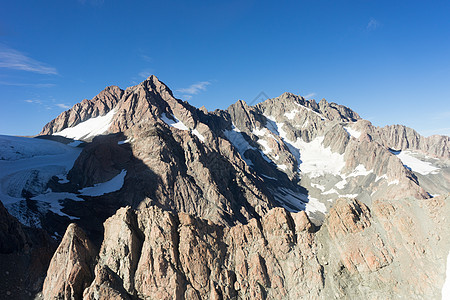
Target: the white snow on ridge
(177, 123)
(352, 132)
(180, 125)
(318, 186)
(309, 109)
(237, 139)
(199, 135)
(415, 164)
(89, 128)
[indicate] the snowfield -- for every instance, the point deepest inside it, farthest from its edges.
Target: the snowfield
(99, 189)
(352, 132)
(415, 164)
(29, 163)
(239, 142)
(14, 148)
(89, 128)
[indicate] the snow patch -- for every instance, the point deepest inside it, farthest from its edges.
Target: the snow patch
(352, 132)
(415, 164)
(332, 191)
(384, 176)
(314, 205)
(310, 110)
(316, 160)
(125, 141)
(341, 184)
(318, 186)
(291, 115)
(89, 128)
(239, 142)
(99, 189)
(199, 135)
(62, 178)
(282, 167)
(360, 170)
(170, 121)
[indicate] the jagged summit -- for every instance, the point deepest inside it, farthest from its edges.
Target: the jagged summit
(293, 152)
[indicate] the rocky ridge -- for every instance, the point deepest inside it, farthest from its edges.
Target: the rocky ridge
(396, 249)
(250, 154)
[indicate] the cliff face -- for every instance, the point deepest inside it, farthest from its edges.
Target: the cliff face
(24, 257)
(358, 253)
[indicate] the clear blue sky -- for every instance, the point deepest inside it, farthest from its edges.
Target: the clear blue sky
(387, 60)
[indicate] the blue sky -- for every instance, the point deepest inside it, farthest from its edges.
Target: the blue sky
(387, 60)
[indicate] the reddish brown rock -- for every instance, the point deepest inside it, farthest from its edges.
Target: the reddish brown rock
(71, 268)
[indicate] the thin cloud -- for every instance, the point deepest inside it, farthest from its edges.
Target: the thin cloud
(16, 60)
(309, 96)
(373, 24)
(61, 105)
(34, 101)
(187, 97)
(443, 115)
(439, 131)
(195, 88)
(144, 74)
(146, 58)
(39, 85)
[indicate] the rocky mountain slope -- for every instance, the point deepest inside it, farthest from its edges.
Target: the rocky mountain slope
(247, 202)
(396, 249)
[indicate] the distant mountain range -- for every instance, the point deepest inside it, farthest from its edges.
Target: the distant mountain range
(287, 199)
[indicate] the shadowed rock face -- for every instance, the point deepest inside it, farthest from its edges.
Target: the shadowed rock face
(24, 257)
(358, 253)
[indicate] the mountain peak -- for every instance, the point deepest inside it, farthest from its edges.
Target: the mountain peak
(152, 78)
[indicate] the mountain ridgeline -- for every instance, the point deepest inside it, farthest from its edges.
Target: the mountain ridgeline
(287, 199)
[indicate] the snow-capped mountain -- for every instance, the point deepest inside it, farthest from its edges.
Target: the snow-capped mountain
(221, 173)
(294, 153)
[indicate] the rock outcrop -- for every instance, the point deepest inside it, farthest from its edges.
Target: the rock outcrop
(358, 253)
(71, 267)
